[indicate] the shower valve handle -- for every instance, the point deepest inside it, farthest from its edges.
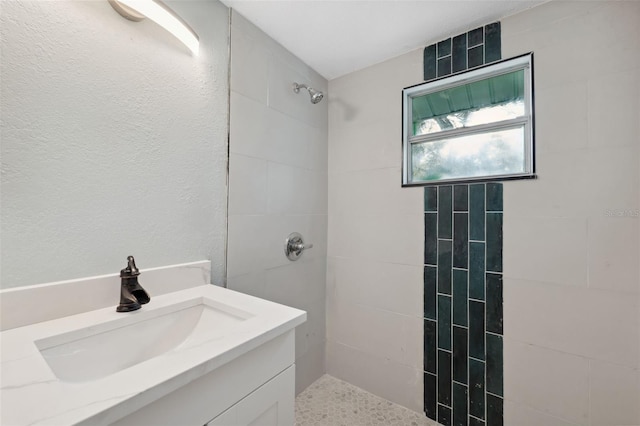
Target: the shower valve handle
(301, 246)
(294, 246)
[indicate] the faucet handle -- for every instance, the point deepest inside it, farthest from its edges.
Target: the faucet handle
(294, 246)
(131, 270)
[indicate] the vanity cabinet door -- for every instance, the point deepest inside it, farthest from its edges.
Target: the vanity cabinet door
(229, 417)
(272, 404)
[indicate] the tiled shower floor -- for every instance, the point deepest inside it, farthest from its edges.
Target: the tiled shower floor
(332, 402)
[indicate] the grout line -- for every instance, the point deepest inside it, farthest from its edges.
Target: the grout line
(494, 334)
(589, 396)
(484, 337)
(362, 259)
(468, 234)
(476, 359)
(437, 230)
(484, 287)
(493, 394)
(546, 413)
(468, 280)
(484, 284)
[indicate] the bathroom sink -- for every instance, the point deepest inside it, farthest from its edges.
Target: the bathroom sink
(96, 367)
(97, 351)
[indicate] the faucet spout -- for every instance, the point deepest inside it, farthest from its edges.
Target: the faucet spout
(132, 295)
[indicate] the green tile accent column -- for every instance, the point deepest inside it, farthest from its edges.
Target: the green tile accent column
(463, 345)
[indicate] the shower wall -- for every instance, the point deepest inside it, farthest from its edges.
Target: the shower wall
(278, 185)
(571, 237)
(376, 238)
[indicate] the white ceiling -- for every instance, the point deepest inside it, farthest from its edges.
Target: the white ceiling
(336, 37)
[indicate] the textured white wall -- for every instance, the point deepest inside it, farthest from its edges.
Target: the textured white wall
(572, 237)
(278, 185)
(113, 140)
(376, 237)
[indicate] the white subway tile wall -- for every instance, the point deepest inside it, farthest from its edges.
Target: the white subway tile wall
(376, 241)
(571, 238)
(278, 185)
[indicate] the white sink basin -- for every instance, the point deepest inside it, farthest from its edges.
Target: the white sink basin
(98, 351)
(96, 367)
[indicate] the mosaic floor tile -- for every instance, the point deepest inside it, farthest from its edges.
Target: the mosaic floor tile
(332, 402)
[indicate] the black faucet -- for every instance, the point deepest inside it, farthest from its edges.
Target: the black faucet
(132, 295)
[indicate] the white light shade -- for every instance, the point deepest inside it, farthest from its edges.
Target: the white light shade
(162, 15)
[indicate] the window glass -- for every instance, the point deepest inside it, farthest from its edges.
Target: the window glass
(493, 153)
(486, 101)
(470, 126)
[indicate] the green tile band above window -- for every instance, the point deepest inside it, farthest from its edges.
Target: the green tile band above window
(475, 37)
(459, 54)
(492, 48)
(430, 62)
(444, 48)
(480, 46)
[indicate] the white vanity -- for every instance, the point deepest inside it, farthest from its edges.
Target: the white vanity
(202, 355)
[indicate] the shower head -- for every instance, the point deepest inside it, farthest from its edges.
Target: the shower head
(316, 95)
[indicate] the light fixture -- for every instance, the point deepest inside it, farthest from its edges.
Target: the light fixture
(161, 14)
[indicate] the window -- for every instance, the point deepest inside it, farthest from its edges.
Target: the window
(477, 125)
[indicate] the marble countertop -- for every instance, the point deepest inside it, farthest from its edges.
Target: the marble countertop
(31, 394)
